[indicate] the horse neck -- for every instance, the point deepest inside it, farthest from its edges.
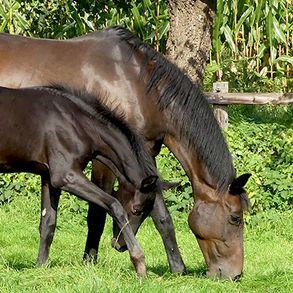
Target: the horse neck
(199, 177)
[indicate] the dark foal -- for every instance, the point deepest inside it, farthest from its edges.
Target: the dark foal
(55, 134)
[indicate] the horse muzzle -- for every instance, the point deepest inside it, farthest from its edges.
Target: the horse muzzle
(222, 274)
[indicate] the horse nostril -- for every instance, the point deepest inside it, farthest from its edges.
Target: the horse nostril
(137, 211)
(237, 278)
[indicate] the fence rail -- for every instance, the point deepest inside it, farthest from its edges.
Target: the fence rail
(250, 98)
(220, 98)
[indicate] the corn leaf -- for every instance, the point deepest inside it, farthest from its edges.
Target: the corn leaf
(279, 33)
(229, 38)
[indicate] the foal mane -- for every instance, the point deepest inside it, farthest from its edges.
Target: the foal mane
(188, 108)
(91, 104)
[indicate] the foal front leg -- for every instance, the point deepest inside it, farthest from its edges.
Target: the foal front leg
(104, 178)
(49, 205)
(76, 183)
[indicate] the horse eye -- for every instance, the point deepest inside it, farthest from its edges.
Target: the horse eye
(235, 220)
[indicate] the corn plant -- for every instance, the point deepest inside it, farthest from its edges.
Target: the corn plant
(258, 31)
(11, 19)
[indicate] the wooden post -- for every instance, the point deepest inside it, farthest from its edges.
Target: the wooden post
(220, 111)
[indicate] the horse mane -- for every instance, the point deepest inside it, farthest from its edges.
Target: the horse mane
(90, 104)
(188, 108)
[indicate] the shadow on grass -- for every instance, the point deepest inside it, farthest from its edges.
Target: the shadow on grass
(162, 270)
(24, 264)
(19, 265)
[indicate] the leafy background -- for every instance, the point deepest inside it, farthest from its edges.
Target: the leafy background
(252, 49)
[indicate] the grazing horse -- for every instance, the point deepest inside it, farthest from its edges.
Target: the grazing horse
(53, 133)
(162, 103)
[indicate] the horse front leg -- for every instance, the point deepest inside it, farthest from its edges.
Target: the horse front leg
(49, 205)
(164, 224)
(104, 178)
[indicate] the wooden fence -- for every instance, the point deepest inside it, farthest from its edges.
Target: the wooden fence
(220, 98)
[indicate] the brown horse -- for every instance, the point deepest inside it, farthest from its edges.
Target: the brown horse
(166, 107)
(54, 134)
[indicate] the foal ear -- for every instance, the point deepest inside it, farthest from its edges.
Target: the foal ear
(148, 184)
(240, 181)
(169, 185)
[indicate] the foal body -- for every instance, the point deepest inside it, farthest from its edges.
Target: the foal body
(55, 134)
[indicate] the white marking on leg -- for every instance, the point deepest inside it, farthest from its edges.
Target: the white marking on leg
(44, 211)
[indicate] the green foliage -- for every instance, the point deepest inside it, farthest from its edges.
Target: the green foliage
(14, 185)
(252, 42)
(260, 139)
(180, 199)
(243, 77)
(67, 19)
(265, 150)
(255, 32)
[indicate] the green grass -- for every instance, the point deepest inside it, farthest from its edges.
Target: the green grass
(268, 257)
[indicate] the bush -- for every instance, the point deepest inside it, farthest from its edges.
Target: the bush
(179, 199)
(12, 185)
(265, 150)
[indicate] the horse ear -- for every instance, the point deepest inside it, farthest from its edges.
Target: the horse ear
(240, 181)
(148, 184)
(169, 185)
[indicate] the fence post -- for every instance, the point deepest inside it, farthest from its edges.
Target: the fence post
(220, 111)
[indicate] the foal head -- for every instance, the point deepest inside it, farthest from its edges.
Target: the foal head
(128, 201)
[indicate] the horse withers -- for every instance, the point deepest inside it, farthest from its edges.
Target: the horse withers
(53, 133)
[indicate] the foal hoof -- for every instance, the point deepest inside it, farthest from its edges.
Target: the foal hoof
(42, 264)
(115, 244)
(90, 258)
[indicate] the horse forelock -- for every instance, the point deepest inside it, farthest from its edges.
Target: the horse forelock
(189, 110)
(92, 105)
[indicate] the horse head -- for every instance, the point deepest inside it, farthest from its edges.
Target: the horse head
(218, 228)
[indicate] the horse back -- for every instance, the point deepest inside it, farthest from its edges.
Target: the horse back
(26, 61)
(99, 62)
(33, 124)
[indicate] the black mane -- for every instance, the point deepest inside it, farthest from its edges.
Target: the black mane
(190, 110)
(95, 108)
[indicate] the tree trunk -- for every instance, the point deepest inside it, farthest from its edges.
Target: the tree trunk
(189, 42)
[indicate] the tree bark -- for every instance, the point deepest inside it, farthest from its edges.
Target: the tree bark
(189, 42)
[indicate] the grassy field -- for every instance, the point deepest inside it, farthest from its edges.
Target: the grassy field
(268, 257)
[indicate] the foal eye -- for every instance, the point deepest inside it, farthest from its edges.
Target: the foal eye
(235, 220)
